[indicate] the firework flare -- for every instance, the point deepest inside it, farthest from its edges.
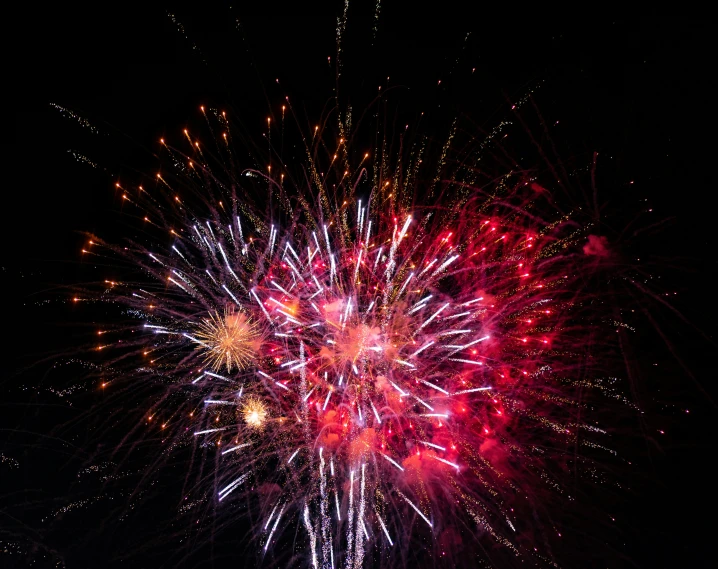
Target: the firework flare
(383, 361)
(254, 413)
(230, 340)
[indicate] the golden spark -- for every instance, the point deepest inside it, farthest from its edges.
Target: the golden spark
(254, 412)
(231, 340)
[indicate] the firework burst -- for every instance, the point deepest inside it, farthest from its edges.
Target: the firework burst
(229, 341)
(387, 371)
(254, 413)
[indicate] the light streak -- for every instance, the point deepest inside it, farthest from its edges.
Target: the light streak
(474, 390)
(234, 448)
(446, 462)
(206, 431)
(432, 445)
(434, 316)
(433, 386)
(424, 403)
(274, 527)
(417, 510)
(227, 490)
(417, 352)
(271, 516)
(466, 361)
(395, 463)
(383, 527)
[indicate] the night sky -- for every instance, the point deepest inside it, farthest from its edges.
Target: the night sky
(638, 88)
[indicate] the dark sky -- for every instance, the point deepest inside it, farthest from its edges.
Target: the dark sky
(636, 87)
(631, 85)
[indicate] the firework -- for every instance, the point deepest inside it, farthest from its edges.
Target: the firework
(230, 340)
(396, 370)
(254, 413)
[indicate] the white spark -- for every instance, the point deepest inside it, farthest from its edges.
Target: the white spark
(209, 431)
(236, 448)
(417, 510)
(227, 490)
(434, 386)
(392, 461)
(276, 523)
(417, 352)
(446, 462)
(474, 390)
(432, 445)
(434, 315)
(383, 527)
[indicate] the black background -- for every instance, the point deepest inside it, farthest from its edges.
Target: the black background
(636, 87)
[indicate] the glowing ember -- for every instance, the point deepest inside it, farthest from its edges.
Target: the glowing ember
(254, 413)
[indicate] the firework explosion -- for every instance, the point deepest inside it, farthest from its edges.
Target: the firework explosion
(384, 371)
(229, 340)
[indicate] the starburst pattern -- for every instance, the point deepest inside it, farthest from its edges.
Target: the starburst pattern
(254, 413)
(230, 341)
